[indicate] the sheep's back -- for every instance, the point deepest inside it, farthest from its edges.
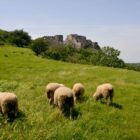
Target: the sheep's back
(53, 86)
(78, 87)
(6, 96)
(63, 91)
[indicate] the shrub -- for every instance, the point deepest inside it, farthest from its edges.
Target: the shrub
(107, 56)
(39, 45)
(61, 52)
(19, 38)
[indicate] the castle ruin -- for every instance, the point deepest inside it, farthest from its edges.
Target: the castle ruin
(75, 40)
(79, 41)
(57, 39)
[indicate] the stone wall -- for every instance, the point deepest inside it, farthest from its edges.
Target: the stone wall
(95, 45)
(57, 39)
(75, 40)
(79, 41)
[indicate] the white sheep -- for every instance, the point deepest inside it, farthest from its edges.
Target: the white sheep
(63, 99)
(104, 91)
(50, 89)
(8, 104)
(78, 90)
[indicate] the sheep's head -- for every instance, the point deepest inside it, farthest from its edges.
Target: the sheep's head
(96, 97)
(10, 108)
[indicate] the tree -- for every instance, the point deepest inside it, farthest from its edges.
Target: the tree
(60, 52)
(3, 36)
(107, 56)
(39, 46)
(111, 57)
(110, 52)
(96, 57)
(19, 38)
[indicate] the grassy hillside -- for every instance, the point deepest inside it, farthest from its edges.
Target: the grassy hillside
(26, 74)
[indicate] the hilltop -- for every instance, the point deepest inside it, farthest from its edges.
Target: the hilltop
(75, 49)
(26, 74)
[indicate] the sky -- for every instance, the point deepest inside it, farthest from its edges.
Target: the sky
(114, 23)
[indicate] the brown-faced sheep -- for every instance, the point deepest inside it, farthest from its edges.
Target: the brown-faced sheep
(8, 104)
(50, 89)
(78, 90)
(104, 91)
(63, 99)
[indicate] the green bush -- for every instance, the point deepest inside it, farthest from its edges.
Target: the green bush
(19, 38)
(61, 52)
(39, 46)
(133, 66)
(106, 56)
(3, 37)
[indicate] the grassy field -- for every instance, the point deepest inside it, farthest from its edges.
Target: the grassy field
(26, 74)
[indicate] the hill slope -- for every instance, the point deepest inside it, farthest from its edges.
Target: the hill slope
(26, 75)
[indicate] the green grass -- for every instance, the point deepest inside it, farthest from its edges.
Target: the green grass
(26, 74)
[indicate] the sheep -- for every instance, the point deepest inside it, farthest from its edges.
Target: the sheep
(78, 90)
(104, 91)
(50, 89)
(63, 99)
(8, 105)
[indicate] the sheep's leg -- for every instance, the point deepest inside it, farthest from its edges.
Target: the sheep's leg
(5, 114)
(111, 96)
(61, 107)
(71, 113)
(107, 100)
(111, 99)
(75, 101)
(16, 109)
(4, 110)
(49, 100)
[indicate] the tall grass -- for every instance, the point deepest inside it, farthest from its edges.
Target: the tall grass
(26, 75)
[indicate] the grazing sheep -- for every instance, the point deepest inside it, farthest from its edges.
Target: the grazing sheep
(8, 104)
(63, 99)
(50, 89)
(104, 91)
(78, 90)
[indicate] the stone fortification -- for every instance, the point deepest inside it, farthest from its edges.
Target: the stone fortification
(75, 40)
(57, 39)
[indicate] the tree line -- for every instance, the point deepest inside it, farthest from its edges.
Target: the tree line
(106, 56)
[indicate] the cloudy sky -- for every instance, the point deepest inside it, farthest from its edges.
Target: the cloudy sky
(114, 23)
